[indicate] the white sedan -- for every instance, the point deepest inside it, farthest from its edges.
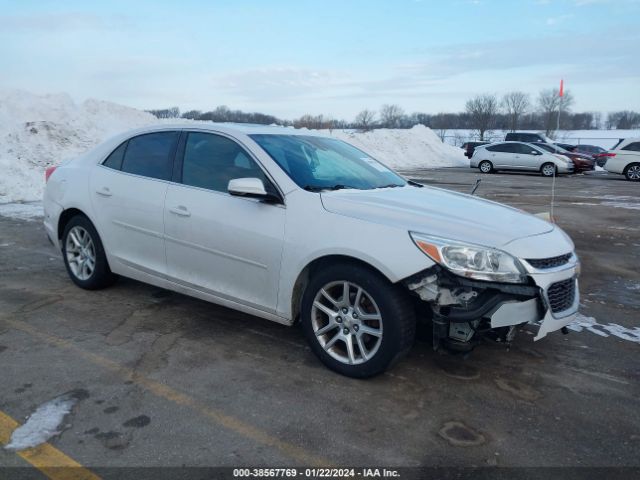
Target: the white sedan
(289, 225)
(519, 156)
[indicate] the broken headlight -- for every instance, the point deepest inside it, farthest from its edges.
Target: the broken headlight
(472, 261)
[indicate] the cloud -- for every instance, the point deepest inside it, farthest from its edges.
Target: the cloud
(559, 19)
(48, 22)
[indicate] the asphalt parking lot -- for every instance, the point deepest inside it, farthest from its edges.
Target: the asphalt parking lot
(166, 380)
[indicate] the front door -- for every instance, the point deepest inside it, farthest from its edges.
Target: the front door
(218, 243)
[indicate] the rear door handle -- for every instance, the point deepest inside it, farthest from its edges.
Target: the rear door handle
(104, 191)
(180, 210)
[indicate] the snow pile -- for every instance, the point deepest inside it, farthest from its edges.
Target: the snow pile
(418, 147)
(37, 131)
(41, 130)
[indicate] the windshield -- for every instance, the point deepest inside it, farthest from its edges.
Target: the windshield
(318, 163)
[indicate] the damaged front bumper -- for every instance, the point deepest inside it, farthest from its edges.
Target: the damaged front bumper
(462, 308)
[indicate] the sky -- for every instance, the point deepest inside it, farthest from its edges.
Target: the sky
(292, 57)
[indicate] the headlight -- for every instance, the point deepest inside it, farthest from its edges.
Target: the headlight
(473, 261)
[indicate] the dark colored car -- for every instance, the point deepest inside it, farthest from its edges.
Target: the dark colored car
(581, 161)
(469, 147)
(589, 149)
(526, 137)
(567, 146)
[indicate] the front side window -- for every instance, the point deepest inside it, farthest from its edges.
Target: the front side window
(151, 155)
(211, 161)
(318, 163)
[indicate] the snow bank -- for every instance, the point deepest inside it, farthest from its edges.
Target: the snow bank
(41, 130)
(37, 131)
(418, 147)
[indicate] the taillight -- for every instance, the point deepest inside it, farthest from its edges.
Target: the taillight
(606, 155)
(48, 172)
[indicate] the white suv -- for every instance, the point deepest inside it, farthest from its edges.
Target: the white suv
(624, 158)
(289, 225)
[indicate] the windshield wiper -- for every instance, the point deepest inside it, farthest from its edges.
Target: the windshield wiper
(391, 185)
(315, 188)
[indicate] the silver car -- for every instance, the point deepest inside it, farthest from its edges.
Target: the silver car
(519, 156)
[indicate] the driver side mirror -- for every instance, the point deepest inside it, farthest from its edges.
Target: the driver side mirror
(534, 152)
(252, 188)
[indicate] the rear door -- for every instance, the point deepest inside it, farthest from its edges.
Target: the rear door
(219, 243)
(128, 191)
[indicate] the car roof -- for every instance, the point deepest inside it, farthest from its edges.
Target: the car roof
(230, 128)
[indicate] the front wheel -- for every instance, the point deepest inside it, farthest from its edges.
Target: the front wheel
(356, 321)
(485, 166)
(548, 170)
(632, 172)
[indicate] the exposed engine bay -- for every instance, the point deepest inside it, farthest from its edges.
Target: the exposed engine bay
(464, 310)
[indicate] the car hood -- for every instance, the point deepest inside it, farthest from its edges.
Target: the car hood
(439, 212)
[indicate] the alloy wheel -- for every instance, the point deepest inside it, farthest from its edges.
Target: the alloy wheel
(81, 253)
(633, 172)
(347, 322)
(548, 170)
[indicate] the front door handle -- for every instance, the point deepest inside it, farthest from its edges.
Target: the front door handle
(180, 210)
(104, 191)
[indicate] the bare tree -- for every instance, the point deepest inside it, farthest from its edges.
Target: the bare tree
(365, 120)
(549, 104)
(515, 105)
(391, 115)
(482, 110)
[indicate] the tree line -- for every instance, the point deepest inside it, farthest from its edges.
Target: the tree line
(483, 113)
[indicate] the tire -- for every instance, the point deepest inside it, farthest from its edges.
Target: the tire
(549, 170)
(81, 249)
(485, 166)
(632, 172)
(385, 340)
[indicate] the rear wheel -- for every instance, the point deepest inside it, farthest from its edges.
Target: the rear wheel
(84, 255)
(356, 321)
(485, 166)
(632, 172)
(548, 170)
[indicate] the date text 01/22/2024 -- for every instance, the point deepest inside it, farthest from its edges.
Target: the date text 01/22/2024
(315, 472)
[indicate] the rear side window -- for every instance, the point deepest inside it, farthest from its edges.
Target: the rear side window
(115, 159)
(211, 161)
(634, 147)
(151, 155)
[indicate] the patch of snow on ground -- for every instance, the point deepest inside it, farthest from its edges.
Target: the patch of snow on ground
(42, 424)
(23, 211)
(590, 324)
(417, 147)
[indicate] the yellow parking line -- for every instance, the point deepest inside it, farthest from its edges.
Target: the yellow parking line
(164, 391)
(46, 458)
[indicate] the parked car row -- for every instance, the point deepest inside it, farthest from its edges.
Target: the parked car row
(536, 152)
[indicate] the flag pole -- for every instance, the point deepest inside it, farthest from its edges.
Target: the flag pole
(561, 95)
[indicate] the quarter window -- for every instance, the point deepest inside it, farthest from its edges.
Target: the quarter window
(634, 147)
(115, 159)
(211, 161)
(151, 155)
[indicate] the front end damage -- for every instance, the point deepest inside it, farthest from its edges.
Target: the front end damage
(463, 310)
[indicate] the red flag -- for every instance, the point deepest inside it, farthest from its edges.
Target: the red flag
(561, 88)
